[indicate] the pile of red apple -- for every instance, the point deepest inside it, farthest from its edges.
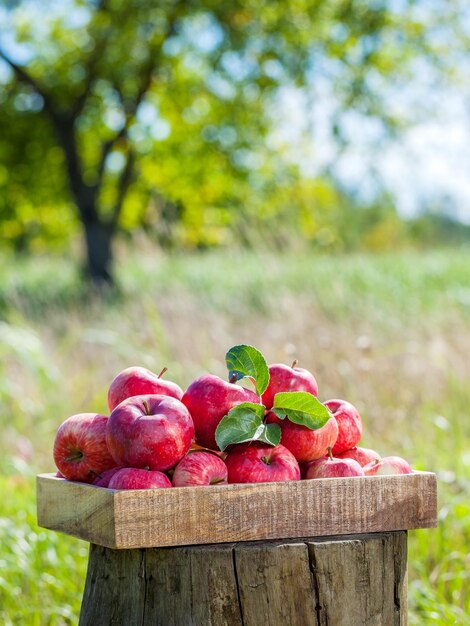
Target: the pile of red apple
(216, 431)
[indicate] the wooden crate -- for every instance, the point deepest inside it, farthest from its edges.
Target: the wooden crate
(234, 513)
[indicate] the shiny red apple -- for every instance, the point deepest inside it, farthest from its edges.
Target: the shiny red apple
(132, 478)
(102, 480)
(388, 465)
(80, 449)
(209, 399)
(150, 431)
(260, 463)
(349, 425)
(362, 455)
(334, 468)
(138, 381)
(304, 443)
(304, 467)
(285, 378)
(200, 468)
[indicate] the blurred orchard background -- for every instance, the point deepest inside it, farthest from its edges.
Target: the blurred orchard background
(180, 176)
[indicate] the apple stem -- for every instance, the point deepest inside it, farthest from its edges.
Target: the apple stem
(330, 453)
(146, 407)
(266, 460)
(165, 369)
(294, 363)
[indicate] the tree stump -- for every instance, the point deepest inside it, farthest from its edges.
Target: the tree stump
(349, 580)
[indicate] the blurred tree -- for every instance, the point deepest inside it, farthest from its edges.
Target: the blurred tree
(134, 111)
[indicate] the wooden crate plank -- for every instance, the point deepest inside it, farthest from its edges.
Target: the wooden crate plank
(275, 510)
(77, 509)
(368, 573)
(231, 513)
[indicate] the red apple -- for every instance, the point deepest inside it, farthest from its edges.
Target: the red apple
(388, 465)
(304, 467)
(103, 479)
(80, 449)
(362, 455)
(208, 399)
(260, 463)
(151, 431)
(285, 378)
(349, 424)
(334, 468)
(200, 468)
(139, 381)
(131, 478)
(304, 443)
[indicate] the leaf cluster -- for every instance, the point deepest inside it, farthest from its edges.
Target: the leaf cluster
(171, 106)
(245, 422)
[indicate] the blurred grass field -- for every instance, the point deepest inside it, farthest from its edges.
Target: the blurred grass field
(390, 333)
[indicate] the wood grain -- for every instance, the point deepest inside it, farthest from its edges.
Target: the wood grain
(275, 582)
(195, 585)
(115, 588)
(368, 573)
(76, 509)
(341, 581)
(232, 513)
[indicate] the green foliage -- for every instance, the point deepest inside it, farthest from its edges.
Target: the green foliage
(301, 408)
(245, 423)
(182, 95)
(34, 211)
(248, 362)
(42, 573)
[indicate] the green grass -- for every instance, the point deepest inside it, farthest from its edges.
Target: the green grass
(41, 573)
(389, 332)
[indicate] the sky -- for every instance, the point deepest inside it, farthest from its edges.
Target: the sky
(427, 168)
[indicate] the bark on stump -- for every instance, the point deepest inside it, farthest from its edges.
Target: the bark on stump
(336, 581)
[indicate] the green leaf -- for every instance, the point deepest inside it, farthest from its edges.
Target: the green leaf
(302, 408)
(247, 362)
(271, 434)
(245, 423)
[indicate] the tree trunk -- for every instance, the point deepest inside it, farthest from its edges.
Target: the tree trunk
(98, 233)
(98, 241)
